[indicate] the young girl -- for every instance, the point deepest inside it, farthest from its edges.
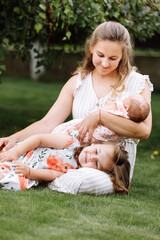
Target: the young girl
(24, 171)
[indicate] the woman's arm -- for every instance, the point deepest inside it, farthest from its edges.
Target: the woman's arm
(56, 140)
(120, 125)
(37, 174)
(56, 115)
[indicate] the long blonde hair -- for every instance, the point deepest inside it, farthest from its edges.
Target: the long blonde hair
(112, 31)
(119, 172)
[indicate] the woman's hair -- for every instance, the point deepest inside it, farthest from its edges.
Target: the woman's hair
(112, 31)
(119, 173)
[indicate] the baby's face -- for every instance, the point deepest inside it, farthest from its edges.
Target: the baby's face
(98, 156)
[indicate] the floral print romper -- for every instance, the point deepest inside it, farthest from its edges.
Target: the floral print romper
(40, 158)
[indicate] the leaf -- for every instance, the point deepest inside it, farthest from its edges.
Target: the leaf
(16, 10)
(71, 2)
(38, 27)
(5, 41)
(42, 15)
(42, 6)
(3, 67)
(68, 34)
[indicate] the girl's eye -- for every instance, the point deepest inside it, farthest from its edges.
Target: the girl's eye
(100, 55)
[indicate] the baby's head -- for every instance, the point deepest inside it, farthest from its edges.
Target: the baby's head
(137, 107)
(108, 157)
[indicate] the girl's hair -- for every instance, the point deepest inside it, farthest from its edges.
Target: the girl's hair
(112, 31)
(119, 173)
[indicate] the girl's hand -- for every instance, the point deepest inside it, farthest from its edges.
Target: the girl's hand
(8, 156)
(21, 168)
(6, 143)
(88, 125)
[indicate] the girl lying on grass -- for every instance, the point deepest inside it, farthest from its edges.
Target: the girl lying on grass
(56, 153)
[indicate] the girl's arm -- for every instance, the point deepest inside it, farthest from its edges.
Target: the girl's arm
(120, 125)
(56, 140)
(37, 174)
(56, 115)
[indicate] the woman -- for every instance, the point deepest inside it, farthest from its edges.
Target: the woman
(106, 74)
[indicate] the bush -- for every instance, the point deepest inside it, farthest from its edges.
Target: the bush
(64, 22)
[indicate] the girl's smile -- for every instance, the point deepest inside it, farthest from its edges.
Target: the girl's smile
(99, 156)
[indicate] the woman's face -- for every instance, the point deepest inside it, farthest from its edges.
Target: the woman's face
(106, 56)
(99, 156)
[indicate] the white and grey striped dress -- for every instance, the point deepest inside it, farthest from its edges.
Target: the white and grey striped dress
(85, 102)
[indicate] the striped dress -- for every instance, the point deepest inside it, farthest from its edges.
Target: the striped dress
(88, 180)
(86, 101)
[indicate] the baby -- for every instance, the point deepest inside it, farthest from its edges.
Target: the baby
(135, 107)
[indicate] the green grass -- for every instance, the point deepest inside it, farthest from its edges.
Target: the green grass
(44, 214)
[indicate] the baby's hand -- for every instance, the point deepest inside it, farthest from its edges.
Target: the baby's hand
(10, 155)
(21, 168)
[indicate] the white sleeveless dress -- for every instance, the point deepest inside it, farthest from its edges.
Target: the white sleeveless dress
(85, 101)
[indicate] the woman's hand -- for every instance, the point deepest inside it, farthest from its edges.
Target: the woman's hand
(88, 125)
(21, 168)
(8, 156)
(6, 143)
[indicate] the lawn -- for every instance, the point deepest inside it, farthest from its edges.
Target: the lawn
(44, 214)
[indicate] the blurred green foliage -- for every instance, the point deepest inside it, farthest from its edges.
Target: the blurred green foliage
(68, 23)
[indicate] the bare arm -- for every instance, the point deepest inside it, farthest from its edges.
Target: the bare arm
(55, 140)
(121, 126)
(56, 115)
(37, 174)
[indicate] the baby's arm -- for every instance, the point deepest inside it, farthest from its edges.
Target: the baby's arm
(37, 174)
(56, 140)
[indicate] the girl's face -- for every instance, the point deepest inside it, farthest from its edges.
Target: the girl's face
(99, 156)
(106, 56)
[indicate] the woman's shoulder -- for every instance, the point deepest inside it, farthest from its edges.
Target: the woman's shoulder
(136, 82)
(73, 79)
(81, 81)
(136, 75)
(70, 84)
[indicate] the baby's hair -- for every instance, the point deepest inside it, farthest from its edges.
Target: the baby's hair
(112, 31)
(138, 111)
(119, 173)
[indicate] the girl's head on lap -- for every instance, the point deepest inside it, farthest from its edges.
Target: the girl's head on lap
(116, 33)
(108, 157)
